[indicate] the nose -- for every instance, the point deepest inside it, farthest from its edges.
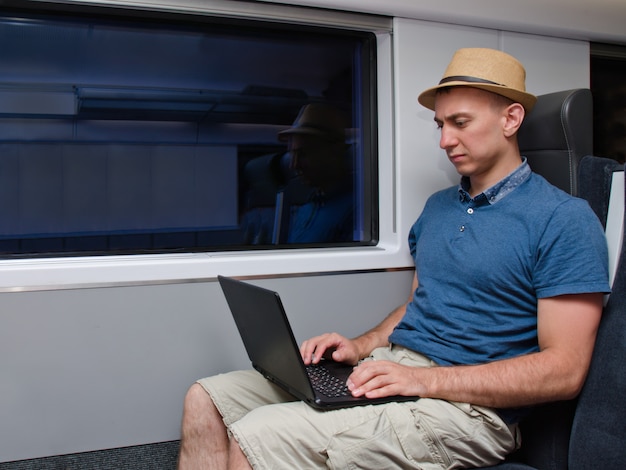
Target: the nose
(447, 139)
(293, 160)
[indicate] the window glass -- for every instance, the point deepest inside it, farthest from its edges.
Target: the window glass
(120, 134)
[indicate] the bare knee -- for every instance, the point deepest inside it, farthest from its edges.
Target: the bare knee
(199, 410)
(197, 397)
(204, 440)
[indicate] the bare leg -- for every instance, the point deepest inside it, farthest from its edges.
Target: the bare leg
(237, 459)
(204, 441)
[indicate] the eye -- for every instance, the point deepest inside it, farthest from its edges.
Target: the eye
(460, 122)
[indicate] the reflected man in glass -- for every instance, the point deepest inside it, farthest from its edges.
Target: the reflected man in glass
(315, 202)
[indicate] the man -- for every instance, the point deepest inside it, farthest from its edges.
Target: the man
(317, 199)
(506, 302)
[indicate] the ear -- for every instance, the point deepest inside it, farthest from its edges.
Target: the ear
(513, 117)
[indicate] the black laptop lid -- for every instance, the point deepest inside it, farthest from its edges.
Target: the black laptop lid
(266, 334)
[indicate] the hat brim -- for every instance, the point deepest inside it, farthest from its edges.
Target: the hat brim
(527, 100)
(312, 131)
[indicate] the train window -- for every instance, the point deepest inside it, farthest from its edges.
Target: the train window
(608, 86)
(178, 133)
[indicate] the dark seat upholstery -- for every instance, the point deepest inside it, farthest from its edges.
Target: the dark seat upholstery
(556, 134)
(587, 433)
(598, 439)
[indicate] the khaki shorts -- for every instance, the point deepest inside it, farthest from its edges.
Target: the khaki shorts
(277, 432)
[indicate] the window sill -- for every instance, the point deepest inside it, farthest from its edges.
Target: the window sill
(97, 272)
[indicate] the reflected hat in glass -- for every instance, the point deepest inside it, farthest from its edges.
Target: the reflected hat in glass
(320, 120)
(486, 69)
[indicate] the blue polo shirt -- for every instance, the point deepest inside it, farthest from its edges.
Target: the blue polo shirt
(483, 262)
(326, 217)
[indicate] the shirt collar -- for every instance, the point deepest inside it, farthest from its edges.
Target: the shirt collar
(498, 190)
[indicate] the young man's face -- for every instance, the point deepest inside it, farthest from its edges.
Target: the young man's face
(316, 160)
(472, 124)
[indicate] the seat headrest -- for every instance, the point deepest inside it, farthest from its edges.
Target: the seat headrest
(556, 134)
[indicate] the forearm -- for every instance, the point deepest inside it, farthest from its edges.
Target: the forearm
(526, 380)
(567, 327)
(566, 330)
(379, 336)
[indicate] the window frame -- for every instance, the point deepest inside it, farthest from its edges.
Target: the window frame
(91, 271)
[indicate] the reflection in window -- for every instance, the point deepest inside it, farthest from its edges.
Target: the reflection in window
(310, 195)
(180, 134)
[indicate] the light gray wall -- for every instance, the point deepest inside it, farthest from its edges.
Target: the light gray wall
(101, 368)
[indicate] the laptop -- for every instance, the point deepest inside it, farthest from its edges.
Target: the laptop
(273, 351)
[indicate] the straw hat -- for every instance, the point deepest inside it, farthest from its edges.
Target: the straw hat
(320, 120)
(487, 69)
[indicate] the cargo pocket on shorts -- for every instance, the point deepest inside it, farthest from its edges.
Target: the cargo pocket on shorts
(395, 440)
(376, 443)
(459, 435)
(420, 442)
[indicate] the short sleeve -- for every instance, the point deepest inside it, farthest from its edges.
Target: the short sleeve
(572, 256)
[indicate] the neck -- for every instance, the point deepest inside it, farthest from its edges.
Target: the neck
(479, 183)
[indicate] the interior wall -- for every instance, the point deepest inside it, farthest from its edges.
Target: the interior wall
(102, 368)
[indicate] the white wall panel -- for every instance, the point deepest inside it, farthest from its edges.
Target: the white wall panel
(552, 64)
(95, 369)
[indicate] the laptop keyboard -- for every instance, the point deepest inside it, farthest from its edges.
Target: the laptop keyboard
(326, 383)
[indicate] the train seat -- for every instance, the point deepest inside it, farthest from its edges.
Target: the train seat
(557, 134)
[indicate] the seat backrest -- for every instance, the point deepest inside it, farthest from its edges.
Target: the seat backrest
(594, 183)
(556, 134)
(598, 437)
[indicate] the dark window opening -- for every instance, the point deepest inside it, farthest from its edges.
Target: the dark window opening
(608, 86)
(177, 133)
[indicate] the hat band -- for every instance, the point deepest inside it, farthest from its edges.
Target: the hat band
(465, 78)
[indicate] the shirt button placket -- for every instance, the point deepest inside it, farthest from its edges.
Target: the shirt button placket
(470, 211)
